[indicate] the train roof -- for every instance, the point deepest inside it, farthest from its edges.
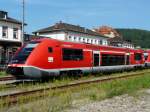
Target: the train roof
(148, 51)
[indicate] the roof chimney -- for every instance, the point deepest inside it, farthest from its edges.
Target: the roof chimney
(3, 15)
(60, 22)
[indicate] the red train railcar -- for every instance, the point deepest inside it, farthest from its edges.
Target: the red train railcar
(49, 57)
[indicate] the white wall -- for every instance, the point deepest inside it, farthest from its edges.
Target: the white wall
(59, 36)
(87, 38)
(10, 31)
(74, 37)
(128, 46)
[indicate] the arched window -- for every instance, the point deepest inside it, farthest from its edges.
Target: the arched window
(95, 41)
(83, 39)
(69, 38)
(79, 39)
(100, 42)
(74, 38)
(88, 40)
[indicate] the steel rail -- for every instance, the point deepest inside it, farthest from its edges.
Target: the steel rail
(7, 78)
(13, 97)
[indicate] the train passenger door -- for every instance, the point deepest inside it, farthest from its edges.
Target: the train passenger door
(96, 58)
(127, 58)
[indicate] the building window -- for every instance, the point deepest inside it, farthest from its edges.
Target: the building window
(87, 40)
(74, 38)
(69, 38)
(83, 39)
(100, 42)
(15, 33)
(79, 39)
(5, 32)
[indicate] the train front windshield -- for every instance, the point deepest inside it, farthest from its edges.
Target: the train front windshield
(23, 54)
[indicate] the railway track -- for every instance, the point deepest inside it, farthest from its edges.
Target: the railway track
(13, 97)
(7, 78)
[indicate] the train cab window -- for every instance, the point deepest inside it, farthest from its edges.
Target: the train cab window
(50, 50)
(72, 54)
(137, 56)
(24, 53)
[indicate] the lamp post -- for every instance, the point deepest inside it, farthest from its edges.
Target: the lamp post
(23, 19)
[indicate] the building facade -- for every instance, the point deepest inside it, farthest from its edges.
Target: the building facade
(10, 37)
(113, 37)
(74, 33)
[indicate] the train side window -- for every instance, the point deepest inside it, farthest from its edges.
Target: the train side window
(138, 56)
(111, 60)
(50, 50)
(72, 54)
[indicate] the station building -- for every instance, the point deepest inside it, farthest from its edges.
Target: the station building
(113, 37)
(74, 33)
(10, 37)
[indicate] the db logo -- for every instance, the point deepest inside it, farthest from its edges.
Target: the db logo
(50, 59)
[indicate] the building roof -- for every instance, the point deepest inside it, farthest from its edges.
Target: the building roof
(4, 17)
(68, 27)
(119, 40)
(106, 30)
(11, 20)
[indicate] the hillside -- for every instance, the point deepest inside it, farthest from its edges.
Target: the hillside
(137, 36)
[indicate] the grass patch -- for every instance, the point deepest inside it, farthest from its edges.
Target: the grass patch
(2, 74)
(58, 100)
(62, 81)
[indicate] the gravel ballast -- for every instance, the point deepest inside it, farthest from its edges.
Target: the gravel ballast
(123, 103)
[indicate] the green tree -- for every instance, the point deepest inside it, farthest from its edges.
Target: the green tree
(136, 36)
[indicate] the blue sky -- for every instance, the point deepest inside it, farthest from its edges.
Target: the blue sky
(86, 13)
